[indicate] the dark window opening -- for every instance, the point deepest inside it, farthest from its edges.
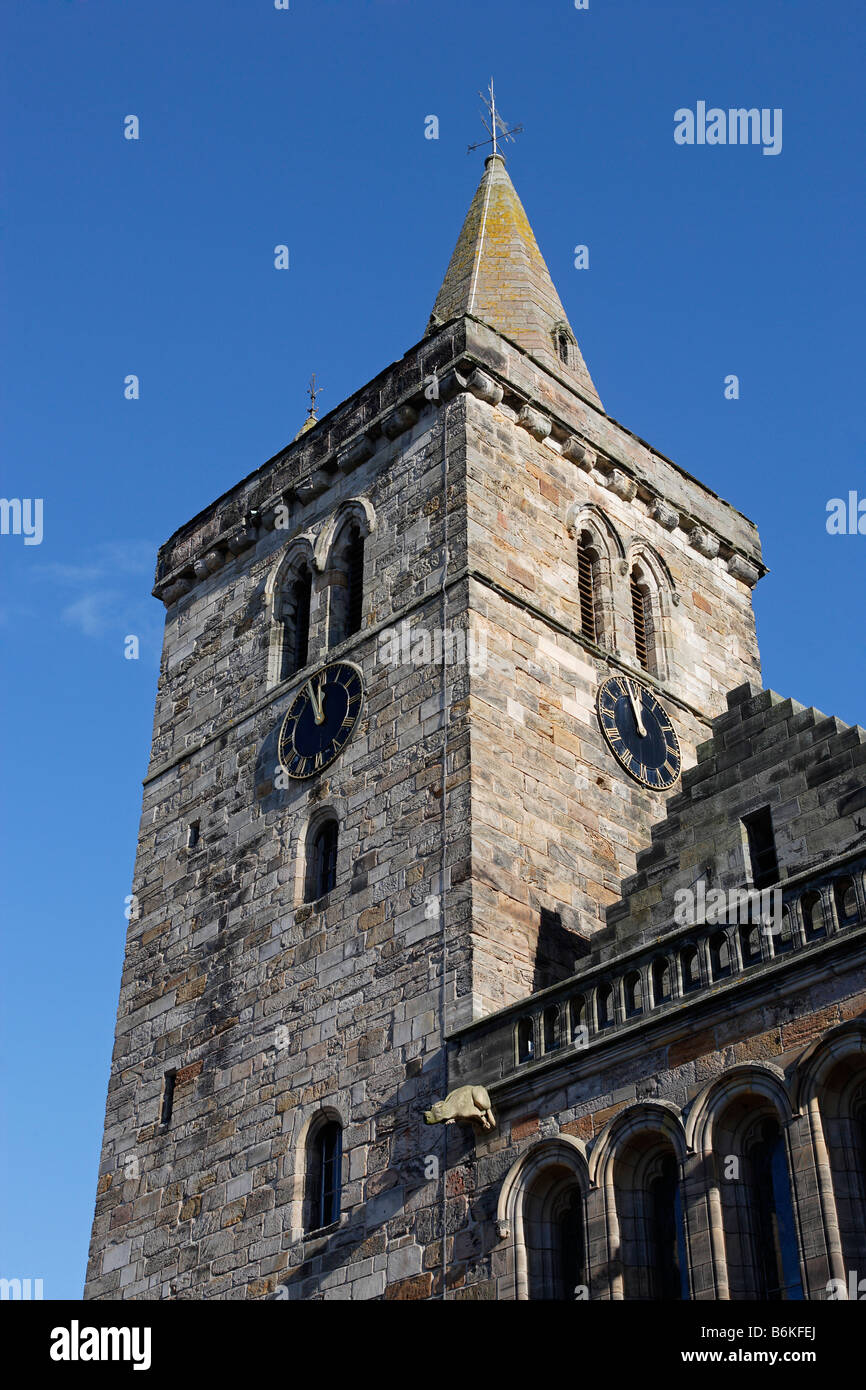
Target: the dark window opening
(326, 1161)
(572, 1258)
(762, 847)
(774, 1237)
(669, 1268)
(525, 1040)
(322, 861)
(633, 994)
(297, 634)
(562, 346)
(551, 1028)
(167, 1098)
(813, 916)
(639, 605)
(691, 968)
(720, 955)
(579, 1027)
(586, 589)
(750, 943)
(193, 834)
(845, 895)
(604, 1007)
(661, 978)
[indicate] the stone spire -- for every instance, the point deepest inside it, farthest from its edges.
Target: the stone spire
(498, 274)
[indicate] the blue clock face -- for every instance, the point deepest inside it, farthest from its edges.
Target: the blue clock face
(321, 719)
(639, 733)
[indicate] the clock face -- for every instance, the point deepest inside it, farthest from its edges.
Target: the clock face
(320, 720)
(639, 732)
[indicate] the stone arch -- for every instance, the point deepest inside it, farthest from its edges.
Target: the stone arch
(358, 509)
(297, 556)
(600, 549)
(318, 817)
(739, 1127)
(762, 1078)
(831, 1095)
(541, 1202)
(305, 1121)
(590, 516)
(638, 1166)
(340, 551)
(649, 576)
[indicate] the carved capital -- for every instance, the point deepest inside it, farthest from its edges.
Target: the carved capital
(503, 1229)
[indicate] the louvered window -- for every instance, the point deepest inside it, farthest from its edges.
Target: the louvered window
(586, 589)
(639, 604)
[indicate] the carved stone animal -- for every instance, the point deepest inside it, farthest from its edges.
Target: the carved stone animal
(466, 1103)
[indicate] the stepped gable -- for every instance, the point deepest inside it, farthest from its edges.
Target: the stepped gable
(810, 769)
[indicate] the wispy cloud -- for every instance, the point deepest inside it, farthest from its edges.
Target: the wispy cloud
(107, 592)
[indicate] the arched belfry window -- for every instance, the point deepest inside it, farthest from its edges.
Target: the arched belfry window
(296, 597)
(651, 1238)
(324, 1173)
(642, 617)
(774, 1241)
(587, 584)
(321, 858)
(346, 585)
(757, 1209)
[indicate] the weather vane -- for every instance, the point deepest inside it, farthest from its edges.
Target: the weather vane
(313, 393)
(496, 127)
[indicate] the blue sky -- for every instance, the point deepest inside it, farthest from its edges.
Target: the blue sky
(155, 257)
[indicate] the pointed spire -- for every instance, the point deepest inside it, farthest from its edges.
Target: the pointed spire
(498, 274)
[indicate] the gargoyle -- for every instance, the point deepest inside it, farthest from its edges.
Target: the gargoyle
(466, 1103)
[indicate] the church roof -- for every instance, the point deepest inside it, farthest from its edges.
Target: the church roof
(498, 274)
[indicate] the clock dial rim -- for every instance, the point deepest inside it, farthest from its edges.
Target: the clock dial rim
(287, 754)
(671, 736)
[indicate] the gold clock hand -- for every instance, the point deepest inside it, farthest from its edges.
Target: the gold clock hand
(641, 731)
(317, 702)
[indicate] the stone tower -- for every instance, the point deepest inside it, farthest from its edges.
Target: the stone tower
(483, 546)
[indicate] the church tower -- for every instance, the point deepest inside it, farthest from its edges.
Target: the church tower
(429, 677)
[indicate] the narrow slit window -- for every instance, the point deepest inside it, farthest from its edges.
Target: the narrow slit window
(762, 847)
(586, 589)
(639, 603)
(297, 628)
(193, 834)
(167, 1098)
